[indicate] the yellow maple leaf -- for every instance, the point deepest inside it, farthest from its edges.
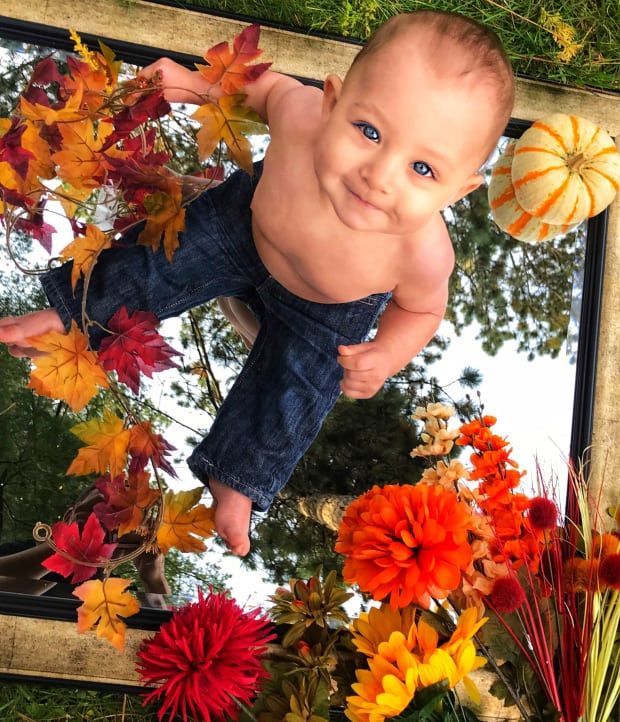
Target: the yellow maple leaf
(70, 112)
(184, 520)
(166, 217)
(42, 165)
(107, 441)
(69, 370)
(228, 119)
(85, 250)
(80, 161)
(104, 603)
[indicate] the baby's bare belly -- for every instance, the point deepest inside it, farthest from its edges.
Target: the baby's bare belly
(316, 274)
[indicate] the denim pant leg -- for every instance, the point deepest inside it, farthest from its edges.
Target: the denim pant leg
(288, 385)
(216, 257)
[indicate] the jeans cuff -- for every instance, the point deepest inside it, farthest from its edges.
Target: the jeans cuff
(203, 468)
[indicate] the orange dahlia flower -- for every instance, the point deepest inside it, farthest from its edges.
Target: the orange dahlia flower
(407, 543)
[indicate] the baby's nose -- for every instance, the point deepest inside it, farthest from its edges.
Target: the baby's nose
(380, 174)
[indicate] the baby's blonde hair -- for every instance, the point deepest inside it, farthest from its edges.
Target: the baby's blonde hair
(482, 51)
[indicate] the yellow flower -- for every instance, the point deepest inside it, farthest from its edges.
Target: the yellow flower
(373, 627)
(385, 689)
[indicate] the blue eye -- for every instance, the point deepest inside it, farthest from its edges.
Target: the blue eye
(422, 168)
(368, 131)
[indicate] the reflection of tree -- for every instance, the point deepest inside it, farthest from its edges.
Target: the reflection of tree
(360, 444)
(514, 291)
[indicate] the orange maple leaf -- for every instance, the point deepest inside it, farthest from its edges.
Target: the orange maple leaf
(184, 520)
(107, 441)
(69, 370)
(228, 119)
(104, 603)
(229, 67)
(166, 217)
(85, 250)
(80, 161)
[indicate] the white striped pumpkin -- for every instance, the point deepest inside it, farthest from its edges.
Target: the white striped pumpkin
(565, 169)
(506, 210)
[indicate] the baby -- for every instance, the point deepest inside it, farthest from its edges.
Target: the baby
(340, 224)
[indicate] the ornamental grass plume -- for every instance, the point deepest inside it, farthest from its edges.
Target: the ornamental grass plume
(206, 659)
(405, 543)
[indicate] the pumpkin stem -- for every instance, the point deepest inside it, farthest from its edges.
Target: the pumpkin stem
(576, 162)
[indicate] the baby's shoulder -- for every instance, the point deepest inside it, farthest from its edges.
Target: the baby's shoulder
(298, 110)
(430, 252)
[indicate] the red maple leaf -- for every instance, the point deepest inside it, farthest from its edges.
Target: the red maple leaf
(145, 445)
(229, 67)
(37, 228)
(46, 72)
(126, 500)
(135, 346)
(87, 547)
(150, 107)
(12, 152)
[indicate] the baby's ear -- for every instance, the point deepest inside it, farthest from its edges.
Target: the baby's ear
(331, 92)
(474, 180)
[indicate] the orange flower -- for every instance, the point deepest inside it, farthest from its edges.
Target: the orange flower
(407, 543)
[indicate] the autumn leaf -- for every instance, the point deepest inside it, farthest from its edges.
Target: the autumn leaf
(134, 347)
(145, 445)
(229, 67)
(127, 499)
(37, 228)
(106, 603)
(85, 250)
(69, 112)
(85, 547)
(68, 370)
(12, 151)
(81, 162)
(185, 520)
(228, 119)
(165, 216)
(107, 446)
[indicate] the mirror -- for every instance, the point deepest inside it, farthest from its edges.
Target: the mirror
(512, 332)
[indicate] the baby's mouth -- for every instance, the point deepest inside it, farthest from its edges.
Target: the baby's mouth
(365, 203)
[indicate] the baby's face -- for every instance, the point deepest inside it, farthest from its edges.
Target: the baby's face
(400, 141)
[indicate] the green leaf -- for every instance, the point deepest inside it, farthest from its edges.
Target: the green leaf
(424, 703)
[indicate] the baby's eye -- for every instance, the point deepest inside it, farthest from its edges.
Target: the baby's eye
(422, 168)
(368, 131)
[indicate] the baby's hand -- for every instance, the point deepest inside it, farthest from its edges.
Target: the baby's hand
(180, 85)
(366, 367)
(16, 330)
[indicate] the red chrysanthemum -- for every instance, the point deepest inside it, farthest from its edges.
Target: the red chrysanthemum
(609, 571)
(507, 595)
(542, 514)
(407, 543)
(205, 659)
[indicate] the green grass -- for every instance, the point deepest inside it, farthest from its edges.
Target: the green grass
(532, 48)
(29, 703)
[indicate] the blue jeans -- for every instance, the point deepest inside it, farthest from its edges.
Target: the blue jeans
(290, 380)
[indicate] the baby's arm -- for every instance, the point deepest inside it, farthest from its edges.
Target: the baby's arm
(182, 85)
(409, 322)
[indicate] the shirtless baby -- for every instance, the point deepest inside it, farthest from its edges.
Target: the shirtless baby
(341, 223)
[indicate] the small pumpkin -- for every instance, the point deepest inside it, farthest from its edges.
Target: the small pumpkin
(506, 210)
(565, 169)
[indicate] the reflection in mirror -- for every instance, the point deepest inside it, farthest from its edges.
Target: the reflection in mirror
(510, 333)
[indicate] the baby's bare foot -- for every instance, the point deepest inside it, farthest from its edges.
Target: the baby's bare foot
(232, 517)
